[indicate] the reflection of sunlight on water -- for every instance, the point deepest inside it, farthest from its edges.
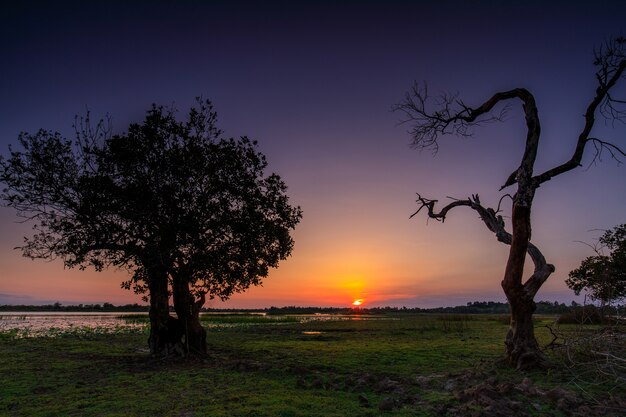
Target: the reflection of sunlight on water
(337, 317)
(37, 324)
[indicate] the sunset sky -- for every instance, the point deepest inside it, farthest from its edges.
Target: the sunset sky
(313, 82)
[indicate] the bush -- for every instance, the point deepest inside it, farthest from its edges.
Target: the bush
(588, 314)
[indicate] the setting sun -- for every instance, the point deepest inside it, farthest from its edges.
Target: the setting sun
(358, 302)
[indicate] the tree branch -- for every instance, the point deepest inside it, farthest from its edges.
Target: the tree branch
(612, 60)
(452, 116)
(449, 116)
(495, 223)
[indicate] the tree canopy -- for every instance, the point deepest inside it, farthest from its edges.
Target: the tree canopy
(182, 208)
(603, 275)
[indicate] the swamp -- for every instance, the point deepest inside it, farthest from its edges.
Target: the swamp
(361, 365)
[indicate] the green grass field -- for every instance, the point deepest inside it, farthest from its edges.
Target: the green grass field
(421, 365)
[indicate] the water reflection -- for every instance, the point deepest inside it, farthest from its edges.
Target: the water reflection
(51, 324)
(37, 324)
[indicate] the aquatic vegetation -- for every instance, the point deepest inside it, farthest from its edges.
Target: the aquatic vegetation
(65, 324)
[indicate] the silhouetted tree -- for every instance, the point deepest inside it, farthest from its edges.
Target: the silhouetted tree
(603, 276)
(173, 202)
(451, 115)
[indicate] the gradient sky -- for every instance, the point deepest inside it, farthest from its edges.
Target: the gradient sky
(313, 82)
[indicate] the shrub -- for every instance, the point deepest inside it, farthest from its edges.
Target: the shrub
(588, 314)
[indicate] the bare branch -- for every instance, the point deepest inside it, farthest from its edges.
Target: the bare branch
(611, 58)
(495, 223)
(431, 117)
(451, 116)
(600, 146)
(596, 247)
(430, 204)
(500, 201)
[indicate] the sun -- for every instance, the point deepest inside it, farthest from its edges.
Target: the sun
(358, 302)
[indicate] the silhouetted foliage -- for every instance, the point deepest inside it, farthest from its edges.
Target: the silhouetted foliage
(603, 276)
(180, 207)
(431, 118)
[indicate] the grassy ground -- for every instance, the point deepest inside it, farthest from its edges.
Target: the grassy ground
(396, 366)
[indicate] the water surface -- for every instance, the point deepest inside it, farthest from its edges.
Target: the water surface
(53, 323)
(56, 323)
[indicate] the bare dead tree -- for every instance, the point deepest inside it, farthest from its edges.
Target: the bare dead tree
(430, 118)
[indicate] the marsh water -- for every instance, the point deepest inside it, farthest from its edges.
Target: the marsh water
(37, 324)
(49, 323)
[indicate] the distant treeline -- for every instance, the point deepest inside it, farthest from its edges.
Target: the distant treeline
(475, 307)
(105, 307)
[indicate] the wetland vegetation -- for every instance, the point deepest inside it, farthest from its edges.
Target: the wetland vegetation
(396, 365)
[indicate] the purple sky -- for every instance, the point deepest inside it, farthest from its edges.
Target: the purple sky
(313, 82)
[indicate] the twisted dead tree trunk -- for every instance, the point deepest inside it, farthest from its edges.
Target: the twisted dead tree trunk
(522, 347)
(452, 116)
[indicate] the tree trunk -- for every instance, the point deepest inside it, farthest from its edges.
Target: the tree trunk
(522, 349)
(188, 312)
(160, 320)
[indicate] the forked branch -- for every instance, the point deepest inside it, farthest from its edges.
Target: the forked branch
(495, 223)
(611, 60)
(431, 117)
(452, 116)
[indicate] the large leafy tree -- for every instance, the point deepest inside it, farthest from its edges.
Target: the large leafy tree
(430, 119)
(186, 211)
(603, 275)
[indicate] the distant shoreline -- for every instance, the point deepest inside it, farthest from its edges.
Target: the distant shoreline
(477, 307)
